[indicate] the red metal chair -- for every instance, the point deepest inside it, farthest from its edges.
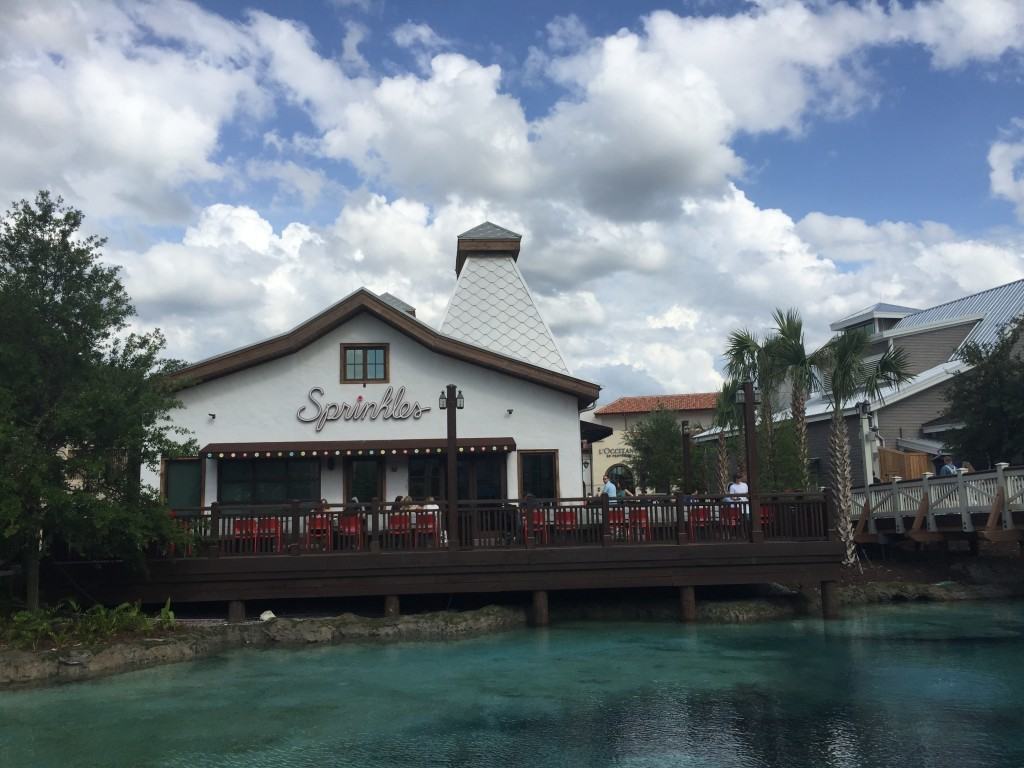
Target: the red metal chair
(566, 522)
(731, 515)
(700, 517)
(318, 528)
(400, 529)
(535, 522)
(268, 534)
(640, 524)
(426, 525)
(617, 524)
(350, 527)
(245, 535)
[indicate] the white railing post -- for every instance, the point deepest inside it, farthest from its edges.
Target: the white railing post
(926, 493)
(1001, 485)
(897, 509)
(966, 522)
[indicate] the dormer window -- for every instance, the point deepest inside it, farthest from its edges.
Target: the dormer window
(364, 363)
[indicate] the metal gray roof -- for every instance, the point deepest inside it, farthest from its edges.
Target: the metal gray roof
(397, 303)
(492, 308)
(489, 231)
(868, 312)
(996, 307)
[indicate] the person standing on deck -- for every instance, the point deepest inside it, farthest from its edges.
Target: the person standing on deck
(948, 467)
(609, 489)
(738, 488)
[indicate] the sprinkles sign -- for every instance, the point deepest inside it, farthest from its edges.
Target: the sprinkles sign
(392, 406)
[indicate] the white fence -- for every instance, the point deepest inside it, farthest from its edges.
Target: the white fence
(964, 495)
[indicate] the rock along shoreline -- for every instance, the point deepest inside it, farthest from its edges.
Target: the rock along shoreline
(24, 669)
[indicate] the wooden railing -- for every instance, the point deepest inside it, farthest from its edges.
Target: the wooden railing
(312, 527)
(933, 500)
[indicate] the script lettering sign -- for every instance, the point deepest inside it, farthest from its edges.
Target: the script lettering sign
(392, 405)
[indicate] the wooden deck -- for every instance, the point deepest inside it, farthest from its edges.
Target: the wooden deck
(295, 551)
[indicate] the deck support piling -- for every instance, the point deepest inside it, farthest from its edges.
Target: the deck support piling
(236, 611)
(829, 600)
(392, 607)
(687, 604)
(539, 615)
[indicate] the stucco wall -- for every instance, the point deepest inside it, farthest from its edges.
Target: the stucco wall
(259, 404)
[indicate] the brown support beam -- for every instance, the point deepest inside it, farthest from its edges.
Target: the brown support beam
(539, 615)
(753, 476)
(687, 458)
(236, 611)
(452, 523)
(687, 604)
(392, 607)
(829, 600)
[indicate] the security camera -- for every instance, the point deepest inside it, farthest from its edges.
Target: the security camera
(509, 412)
(212, 416)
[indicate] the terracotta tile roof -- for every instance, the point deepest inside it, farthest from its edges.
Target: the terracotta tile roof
(694, 401)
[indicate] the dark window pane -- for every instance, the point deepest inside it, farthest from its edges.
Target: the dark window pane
(538, 473)
(425, 477)
(235, 493)
(181, 484)
(235, 471)
(269, 492)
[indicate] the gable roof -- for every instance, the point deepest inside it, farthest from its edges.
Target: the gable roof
(492, 307)
(693, 401)
(365, 301)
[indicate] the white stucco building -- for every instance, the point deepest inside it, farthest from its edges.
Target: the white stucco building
(346, 404)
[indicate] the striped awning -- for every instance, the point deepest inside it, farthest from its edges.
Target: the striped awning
(421, 447)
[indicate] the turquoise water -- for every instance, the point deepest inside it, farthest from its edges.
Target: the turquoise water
(904, 686)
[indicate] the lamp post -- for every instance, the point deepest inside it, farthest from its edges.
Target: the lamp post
(451, 400)
(749, 397)
(867, 454)
(687, 461)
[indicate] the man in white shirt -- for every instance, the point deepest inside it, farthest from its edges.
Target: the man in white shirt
(609, 488)
(738, 489)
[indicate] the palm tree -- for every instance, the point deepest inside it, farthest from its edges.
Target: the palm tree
(847, 376)
(750, 357)
(726, 420)
(791, 356)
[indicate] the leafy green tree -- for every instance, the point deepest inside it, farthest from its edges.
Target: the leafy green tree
(754, 358)
(989, 400)
(82, 401)
(847, 376)
(656, 450)
(727, 418)
(792, 359)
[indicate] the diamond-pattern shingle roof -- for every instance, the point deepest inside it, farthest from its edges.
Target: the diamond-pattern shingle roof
(489, 231)
(492, 308)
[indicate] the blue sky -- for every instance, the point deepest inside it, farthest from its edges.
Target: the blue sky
(677, 169)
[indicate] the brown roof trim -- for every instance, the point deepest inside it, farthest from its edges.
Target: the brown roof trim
(350, 447)
(365, 301)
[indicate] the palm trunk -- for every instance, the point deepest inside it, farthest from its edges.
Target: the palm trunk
(798, 410)
(723, 462)
(842, 483)
(768, 450)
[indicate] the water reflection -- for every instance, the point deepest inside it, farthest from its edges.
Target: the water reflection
(928, 686)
